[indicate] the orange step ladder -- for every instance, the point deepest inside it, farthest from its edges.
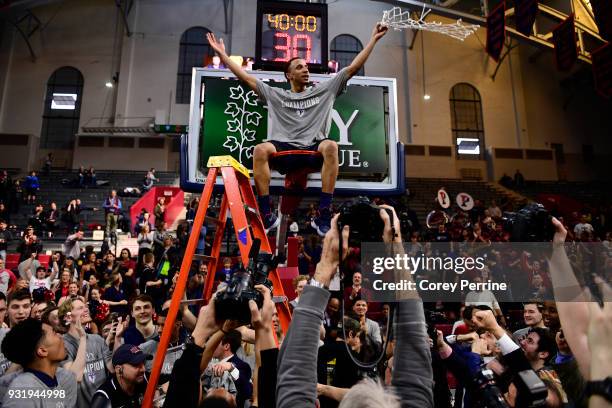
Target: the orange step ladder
(239, 199)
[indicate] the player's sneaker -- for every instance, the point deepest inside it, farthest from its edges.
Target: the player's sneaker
(271, 221)
(322, 222)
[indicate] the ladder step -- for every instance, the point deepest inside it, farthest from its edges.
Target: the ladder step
(201, 257)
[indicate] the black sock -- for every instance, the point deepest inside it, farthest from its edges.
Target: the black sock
(325, 201)
(264, 204)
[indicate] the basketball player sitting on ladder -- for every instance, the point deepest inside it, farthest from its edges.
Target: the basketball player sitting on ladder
(298, 119)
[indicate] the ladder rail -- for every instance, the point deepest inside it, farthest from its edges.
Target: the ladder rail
(179, 289)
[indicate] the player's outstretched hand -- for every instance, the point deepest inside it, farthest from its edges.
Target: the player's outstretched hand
(379, 31)
(216, 45)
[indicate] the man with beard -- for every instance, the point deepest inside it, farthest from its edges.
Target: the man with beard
(127, 387)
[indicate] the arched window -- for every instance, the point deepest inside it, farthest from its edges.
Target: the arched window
(62, 109)
(466, 121)
(193, 51)
(344, 48)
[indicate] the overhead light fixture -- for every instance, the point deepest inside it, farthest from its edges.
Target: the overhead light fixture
(109, 84)
(427, 97)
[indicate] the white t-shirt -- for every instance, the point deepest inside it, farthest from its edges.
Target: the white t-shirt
(39, 283)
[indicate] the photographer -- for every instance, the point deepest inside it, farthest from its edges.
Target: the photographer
(297, 362)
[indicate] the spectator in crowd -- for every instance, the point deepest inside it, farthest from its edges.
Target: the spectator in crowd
(160, 212)
(177, 337)
(482, 297)
(143, 219)
(90, 177)
(230, 372)
(127, 386)
(115, 295)
(519, 180)
(355, 292)
(331, 318)
(298, 285)
(112, 207)
(145, 242)
(494, 210)
(6, 185)
(149, 283)
(142, 314)
(369, 328)
(36, 347)
(30, 244)
(583, 227)
(38, 308)
(5, 213)
(37, 219)
(48, 163)
(149, 180)
(7, 280)
(5, 238)
(97, 357)
(62, 287)
(51, 219)
(216, 63)
(41, 280)
(506, 181)
(73, 293)
(532, 315)
(72, 246)
(31, 186)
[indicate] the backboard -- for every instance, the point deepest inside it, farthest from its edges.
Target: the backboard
(226, 118)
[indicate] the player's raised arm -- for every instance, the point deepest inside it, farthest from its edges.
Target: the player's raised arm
(219, 48)
(377, 33)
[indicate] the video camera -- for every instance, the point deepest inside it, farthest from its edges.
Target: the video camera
(531, 392)
(363, 218)
(531, 223)
(233, 302)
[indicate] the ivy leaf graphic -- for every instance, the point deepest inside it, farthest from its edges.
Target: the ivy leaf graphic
(236, 92)
(251, 98)
(249, 152)
(231, 143)
(249, 135)
(253, 118)
(233, 125)
(232, 109)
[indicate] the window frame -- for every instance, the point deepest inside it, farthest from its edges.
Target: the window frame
(183, 76)
(333, 50)
(475, 130)
(53, 117)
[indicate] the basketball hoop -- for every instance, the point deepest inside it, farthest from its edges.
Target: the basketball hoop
(400, 20)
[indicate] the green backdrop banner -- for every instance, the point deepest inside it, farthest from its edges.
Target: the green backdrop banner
(234, 122)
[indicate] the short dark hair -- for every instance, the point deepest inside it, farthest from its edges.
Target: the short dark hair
(2, 296)
(546, 343)
(234, 339)
(141, 298)
(214, 401)
(539, 304)
(19, 345)
(288, 65)
(20, 294)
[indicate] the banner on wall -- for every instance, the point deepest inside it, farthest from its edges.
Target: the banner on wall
(525, 12)
(602, 70)
(496, 31)
(602, 9)
(564, 38)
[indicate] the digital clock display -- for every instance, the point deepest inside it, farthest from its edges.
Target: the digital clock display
(288, 30)
(287, 36)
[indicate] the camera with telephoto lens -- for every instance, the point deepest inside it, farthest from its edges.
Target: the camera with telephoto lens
(531, 223)
(233, 302)
(363, 218)
(490, 394)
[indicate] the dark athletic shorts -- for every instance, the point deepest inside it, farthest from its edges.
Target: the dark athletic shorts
(284, 146)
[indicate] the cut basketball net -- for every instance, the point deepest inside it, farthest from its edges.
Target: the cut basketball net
(400, 20)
